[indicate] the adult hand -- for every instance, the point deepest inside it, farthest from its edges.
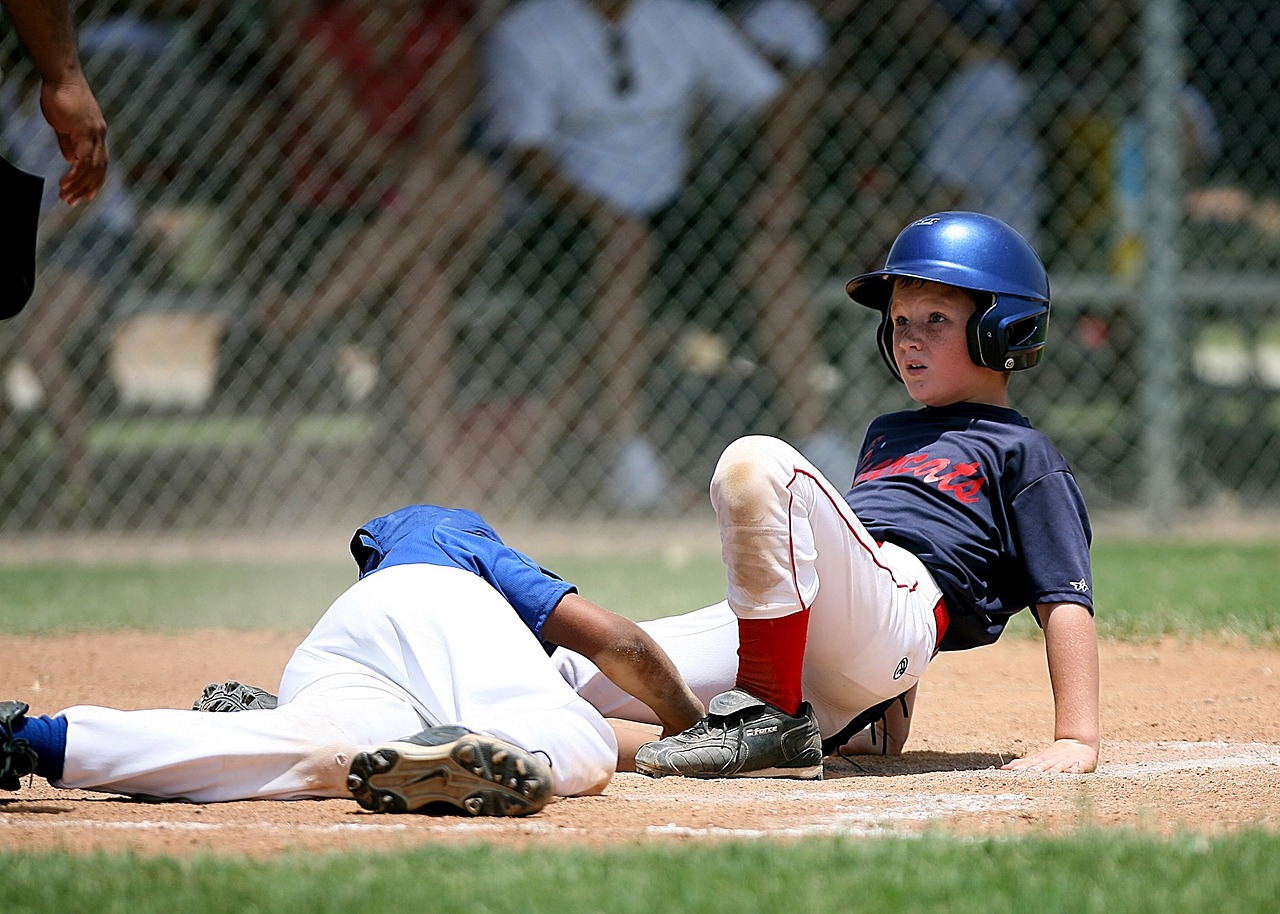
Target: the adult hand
(73, 113)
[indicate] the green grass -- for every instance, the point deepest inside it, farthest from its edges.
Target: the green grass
(1098, 872)
(291, 595)
(162, 434)
(1144, 589)
(1150, 589)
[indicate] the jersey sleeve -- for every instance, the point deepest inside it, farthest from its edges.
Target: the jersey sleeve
(521, 107)
(532, 590)
(737, 80)
(456, 537)
(1052, 528)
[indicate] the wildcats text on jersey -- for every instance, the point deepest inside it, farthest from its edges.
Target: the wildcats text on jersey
(962, 480)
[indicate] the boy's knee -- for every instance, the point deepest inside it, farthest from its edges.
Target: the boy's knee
(748, 476)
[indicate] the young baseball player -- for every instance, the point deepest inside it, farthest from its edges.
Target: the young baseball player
(959, 516)
(447, 629)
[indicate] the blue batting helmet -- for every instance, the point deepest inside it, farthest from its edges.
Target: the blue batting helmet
(974, 252)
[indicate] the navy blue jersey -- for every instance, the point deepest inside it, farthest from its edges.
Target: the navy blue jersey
(986, 502)
(455, 537)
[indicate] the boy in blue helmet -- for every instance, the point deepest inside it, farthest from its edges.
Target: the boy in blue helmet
(960, 515)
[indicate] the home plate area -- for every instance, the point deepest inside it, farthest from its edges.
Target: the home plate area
(1165, 787)
(1185, 749)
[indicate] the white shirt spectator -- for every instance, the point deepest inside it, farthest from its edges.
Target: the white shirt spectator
(789, 32)
(556, 75)
(979, 137)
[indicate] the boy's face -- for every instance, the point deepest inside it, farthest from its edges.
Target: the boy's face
(931, 349)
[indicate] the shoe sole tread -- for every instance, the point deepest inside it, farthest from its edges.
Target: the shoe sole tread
(474, 774)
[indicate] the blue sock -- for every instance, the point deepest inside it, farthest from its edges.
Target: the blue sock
(48, 736)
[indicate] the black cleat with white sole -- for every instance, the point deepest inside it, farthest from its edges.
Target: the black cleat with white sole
(741, 737)
(477, 774)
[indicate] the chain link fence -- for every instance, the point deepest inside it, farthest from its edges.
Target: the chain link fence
(335, 271)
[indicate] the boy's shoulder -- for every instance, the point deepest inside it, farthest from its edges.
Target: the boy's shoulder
(998, 428)
(957, 415)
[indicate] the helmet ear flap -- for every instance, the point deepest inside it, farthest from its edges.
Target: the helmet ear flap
(1009, 334)
(974, 330)
(884, 339)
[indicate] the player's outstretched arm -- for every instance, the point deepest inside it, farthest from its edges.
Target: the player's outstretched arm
(1071, 643)
(628, 656)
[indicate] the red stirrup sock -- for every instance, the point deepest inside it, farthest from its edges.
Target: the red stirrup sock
(770, 658)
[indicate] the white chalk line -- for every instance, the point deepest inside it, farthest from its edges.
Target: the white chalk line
(1173, 757)
(849, 812)
(882, 812)
(497, 826)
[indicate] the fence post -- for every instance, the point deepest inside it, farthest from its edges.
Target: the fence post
(1162, 320)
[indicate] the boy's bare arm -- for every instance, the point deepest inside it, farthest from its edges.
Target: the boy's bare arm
(626, 654)
(631, 735)
(1071, 644)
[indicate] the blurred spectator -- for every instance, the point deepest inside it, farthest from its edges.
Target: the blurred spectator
(981, 147)
(84, 253)
(1098, 140)
(596, 103)
(883, 66)
(172, 118)
(773, 266)
(391, 209)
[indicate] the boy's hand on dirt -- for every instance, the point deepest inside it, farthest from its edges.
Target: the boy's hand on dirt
(1065, 756)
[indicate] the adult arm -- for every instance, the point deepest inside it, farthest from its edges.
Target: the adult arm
(1071, 646)
(626, 654)
(66, 100)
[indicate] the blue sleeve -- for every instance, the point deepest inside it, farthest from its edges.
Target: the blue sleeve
(530, 589)
(1052, 530)
(457, 538)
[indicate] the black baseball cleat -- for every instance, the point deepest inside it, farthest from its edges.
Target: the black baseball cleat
(741, 737)
(17, 758)
(234, 696)
(477, 774)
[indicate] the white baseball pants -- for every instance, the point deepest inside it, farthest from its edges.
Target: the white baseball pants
(408, 647)
(789, 540)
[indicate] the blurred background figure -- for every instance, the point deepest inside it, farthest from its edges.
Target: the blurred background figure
(82, 258)
(379, 252)
(982, 152)
(1097, 140)
(773, 267)
(599, 108)
(391, 211)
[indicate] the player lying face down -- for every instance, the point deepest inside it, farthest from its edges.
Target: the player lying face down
(445, 636)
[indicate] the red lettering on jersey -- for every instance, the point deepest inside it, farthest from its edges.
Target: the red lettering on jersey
(962, 481)
(929, 471)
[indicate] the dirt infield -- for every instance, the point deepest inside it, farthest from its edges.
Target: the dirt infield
(1192, 743)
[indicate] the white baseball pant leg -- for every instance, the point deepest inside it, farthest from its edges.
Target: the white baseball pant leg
(406, 648)
(790, 540)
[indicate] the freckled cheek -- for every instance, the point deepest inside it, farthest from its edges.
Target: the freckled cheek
(922, 335)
